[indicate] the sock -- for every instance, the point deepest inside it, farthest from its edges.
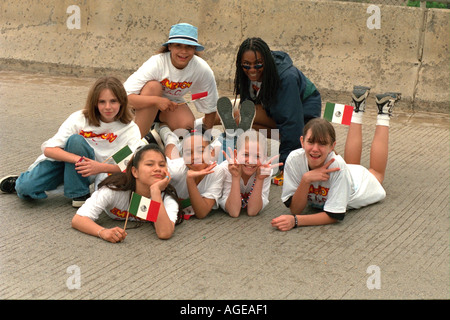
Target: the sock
(198, 122)
(357, 117)
(167, 136)
(383, 120)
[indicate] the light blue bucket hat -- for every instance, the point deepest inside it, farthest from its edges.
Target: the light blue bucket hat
(186, 34)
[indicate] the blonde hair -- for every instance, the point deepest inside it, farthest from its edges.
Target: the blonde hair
(253, 136)
(90, 110)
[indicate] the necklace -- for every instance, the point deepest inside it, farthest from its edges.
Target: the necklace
(244, 199)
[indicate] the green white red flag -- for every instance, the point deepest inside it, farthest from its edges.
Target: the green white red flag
(144, 208)
(122, 157)
(338, 113)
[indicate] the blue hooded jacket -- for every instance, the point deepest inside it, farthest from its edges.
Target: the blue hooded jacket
(298, 100)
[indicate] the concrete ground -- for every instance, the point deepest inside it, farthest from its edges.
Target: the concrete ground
(396, 249)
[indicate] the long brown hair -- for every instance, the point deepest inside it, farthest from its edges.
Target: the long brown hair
(90, 110)
(322, 131)
(125, 181)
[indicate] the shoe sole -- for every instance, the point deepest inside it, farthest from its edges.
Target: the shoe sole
(4, 178)
(247, 113)
(77, 204)
(157, 138)
(225, 112)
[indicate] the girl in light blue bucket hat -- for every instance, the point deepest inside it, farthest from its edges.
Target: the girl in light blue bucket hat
(157, 89)
(186, 34)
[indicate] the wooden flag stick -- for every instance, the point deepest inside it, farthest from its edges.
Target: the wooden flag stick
(126, 220)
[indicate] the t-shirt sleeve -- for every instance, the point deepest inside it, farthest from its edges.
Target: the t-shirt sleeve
(171, 206)
(148, 71)
(214, 185)
(226, 185)
(266, 191)
(291, 178)
(206, 83)
(97, 203)
(340, 190)
(68, 128)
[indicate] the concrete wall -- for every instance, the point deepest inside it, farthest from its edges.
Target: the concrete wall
(328, 40)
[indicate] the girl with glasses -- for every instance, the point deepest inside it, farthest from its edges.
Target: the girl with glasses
(284, 98)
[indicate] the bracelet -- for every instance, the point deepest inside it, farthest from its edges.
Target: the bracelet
(296, 221)
(99, 233)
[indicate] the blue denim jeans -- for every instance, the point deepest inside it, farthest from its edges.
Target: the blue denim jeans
(48, 175)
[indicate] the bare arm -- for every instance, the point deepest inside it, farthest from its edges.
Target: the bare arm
(86, 168)
(88, 226)
(164, 226)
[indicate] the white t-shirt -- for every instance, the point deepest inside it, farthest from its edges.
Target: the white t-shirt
(210, 186)
(106, 139)
(117, 203)
(245, 188)
(352, 187)
(196, 77)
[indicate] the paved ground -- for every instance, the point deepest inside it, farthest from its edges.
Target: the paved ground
(402, 241)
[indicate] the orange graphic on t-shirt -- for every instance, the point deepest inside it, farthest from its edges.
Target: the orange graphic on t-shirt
(105, 136)
(175, 85)
(122, 213)
(319, 190)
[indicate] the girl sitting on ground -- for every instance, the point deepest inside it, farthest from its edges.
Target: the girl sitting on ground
(76, 155)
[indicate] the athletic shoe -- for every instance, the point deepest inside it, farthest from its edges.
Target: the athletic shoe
(359, 96)
(247, 113)
(155, 133)
(8, 184)
(225, 112)
(153, 137)
(79, 201)
(385, 102)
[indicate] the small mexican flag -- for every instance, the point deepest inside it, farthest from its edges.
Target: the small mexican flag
(338, 113)
(122, 157)
(187, 209)
(143, 207)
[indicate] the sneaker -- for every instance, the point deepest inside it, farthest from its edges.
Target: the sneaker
(225, 112)
(359, 96)
(8, 184)
(153, 137)
(79, 201)
(385, 102)
(247, 113)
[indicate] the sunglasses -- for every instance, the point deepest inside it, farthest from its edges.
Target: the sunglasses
(256, 66)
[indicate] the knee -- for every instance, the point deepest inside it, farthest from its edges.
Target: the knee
(77, 144)
(152, 88)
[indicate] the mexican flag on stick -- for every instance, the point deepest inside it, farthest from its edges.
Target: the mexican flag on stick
(338, 113)
(122, 157)
(143, 207)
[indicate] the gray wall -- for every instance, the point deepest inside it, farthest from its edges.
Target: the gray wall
(328, 40)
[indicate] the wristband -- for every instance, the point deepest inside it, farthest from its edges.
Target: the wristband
(296, 221)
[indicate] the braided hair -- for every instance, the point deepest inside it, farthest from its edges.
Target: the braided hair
(270, 79)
